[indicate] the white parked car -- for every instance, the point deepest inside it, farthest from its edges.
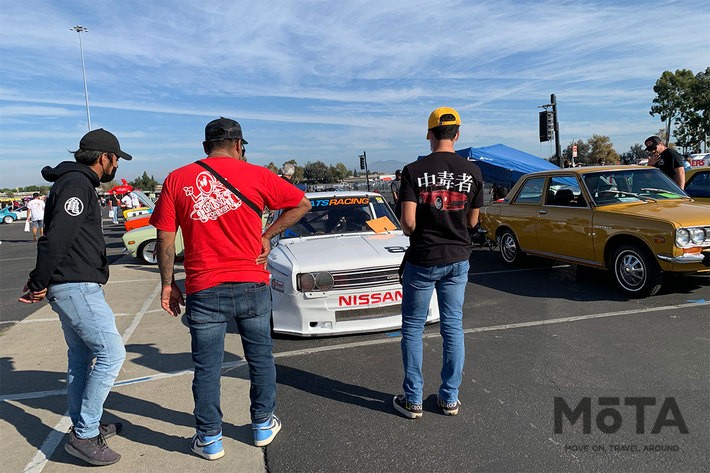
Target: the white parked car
(336, 270)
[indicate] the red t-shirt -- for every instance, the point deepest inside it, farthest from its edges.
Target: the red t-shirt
(222, 235)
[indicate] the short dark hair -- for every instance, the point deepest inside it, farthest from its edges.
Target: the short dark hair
(213, 145)
(86, 156)
(35, 195)
(445, 132)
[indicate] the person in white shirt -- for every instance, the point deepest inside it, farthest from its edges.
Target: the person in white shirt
(35, 215)
(134, 201)
(127, 202)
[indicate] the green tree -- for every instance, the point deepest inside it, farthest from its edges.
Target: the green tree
(145, 183)
(339, 171)
(693, 131)
(683, 98)
(272, 167)
(635, 154)
(317, 172)
(582, 153)
(601, 150)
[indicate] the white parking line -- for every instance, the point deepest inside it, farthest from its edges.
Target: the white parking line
(379, 341)
(36, 465)
(56, 319)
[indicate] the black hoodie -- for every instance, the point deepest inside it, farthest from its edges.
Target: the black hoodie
(72, 248)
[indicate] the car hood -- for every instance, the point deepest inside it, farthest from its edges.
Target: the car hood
(683, 212)
(343, 251)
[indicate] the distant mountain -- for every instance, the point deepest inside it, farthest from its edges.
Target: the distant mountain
(386, 167)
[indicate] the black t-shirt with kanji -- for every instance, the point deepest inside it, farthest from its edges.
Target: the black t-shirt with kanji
(445, 187)
(668, 161)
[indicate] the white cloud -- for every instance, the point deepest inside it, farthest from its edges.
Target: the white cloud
(322, 79)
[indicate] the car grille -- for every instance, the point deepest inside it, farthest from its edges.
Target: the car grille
(371, 313)
(364, 278)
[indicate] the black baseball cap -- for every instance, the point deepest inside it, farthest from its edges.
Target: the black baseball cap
(105, 141)
(224, 129)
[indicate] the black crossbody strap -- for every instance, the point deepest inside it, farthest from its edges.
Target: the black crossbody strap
(229, 186)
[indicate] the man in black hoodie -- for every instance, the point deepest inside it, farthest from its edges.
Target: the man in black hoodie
(71, 267)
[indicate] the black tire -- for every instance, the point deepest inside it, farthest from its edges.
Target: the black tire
(146, 252)
(635, 271)
(509, 248)
(8, 219)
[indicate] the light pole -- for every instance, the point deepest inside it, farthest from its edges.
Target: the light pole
(80, 29)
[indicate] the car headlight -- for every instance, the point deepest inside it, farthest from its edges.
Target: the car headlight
(322, 281)
(697, 235)
(682, 237)
(306, 282)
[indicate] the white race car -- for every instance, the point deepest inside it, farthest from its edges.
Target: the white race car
(336, 270)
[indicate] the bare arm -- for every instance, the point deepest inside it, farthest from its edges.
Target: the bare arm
(473, 217)
(409, 217)
(680, 177)
(170, 296)
(288, 218)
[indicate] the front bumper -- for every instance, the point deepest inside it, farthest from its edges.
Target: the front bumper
(688, 258)
(321, 314)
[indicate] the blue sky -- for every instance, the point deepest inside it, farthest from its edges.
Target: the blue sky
(324, 80)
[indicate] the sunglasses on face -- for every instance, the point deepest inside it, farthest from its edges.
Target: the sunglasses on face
(651, 148)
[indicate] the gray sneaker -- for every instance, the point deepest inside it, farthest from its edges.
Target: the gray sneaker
(94, 451)
(109, 430)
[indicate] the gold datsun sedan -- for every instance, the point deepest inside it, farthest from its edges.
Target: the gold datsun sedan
(631, 220)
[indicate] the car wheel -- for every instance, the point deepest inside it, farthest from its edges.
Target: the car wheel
(509, 248)
(146, 252)
(8, 219)
(636, 272)
(439, 203)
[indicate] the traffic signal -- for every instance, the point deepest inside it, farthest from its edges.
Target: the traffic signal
(362, 162)
(547, 126)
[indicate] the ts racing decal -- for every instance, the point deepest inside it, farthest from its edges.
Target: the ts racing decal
(340, 201)
(212, 199)
(369, 299)
(74, 206)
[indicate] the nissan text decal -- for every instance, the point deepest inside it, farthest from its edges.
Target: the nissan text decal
(369, 299)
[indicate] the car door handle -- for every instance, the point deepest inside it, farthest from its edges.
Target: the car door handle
(542, 212)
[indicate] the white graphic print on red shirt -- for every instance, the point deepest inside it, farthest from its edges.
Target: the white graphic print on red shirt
(212, 198)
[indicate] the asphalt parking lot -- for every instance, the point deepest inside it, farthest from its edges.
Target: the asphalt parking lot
(534, 334)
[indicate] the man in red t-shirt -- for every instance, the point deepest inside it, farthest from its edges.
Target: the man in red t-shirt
(225, 269)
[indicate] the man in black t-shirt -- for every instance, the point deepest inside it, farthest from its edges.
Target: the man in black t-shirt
(440, 196)
(666, 159)
(394, 188)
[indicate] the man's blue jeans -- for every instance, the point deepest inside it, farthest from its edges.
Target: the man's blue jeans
(90, 332)
(207, 314)
(418, 284)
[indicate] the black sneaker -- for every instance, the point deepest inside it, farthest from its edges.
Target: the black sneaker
(94, 451)
(449, 408)
(109, 430)
(406, 408)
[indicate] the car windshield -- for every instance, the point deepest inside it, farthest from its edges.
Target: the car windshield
(344, 215)
(633, 185)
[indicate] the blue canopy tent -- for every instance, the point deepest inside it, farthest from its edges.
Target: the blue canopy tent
(502, 165)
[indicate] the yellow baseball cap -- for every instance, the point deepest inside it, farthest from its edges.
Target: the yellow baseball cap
(443, 116)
